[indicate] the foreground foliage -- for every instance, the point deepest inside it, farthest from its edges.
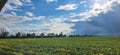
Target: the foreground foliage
(61, 46)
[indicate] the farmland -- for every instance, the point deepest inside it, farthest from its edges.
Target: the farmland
(61, 46)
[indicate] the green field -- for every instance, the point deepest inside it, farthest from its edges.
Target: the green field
(61, 46)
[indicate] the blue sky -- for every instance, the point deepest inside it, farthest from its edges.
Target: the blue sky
(94, 17)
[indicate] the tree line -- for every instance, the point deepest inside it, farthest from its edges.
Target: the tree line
(5, 34)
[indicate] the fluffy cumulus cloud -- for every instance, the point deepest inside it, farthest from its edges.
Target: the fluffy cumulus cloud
(100, 20)
(13, 22)
(55, 25)
(30, 14)
(51, 1)
(67, 7)
(95, 10)
(83, 2)
(12, 19)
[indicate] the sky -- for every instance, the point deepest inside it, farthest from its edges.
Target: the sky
(92, 17)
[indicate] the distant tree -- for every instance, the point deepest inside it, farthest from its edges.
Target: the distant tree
(50, 35)
(4, 33)
(24, 35)
(61, 34)
(56, 35)
(29, 35)
(12, 36)
(64, 35)
(18, 34)
(42, 35)
(33, 35)
(71, 35)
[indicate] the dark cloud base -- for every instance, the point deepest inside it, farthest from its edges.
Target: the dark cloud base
(104, 24)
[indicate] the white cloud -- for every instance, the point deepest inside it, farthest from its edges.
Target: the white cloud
(95, 10)
(39, 18)
(9, 19)
(13, 19)
(55, 25)
(30, 14)
(51, 1)
(13, 13)
(83, 2)
(67, 7)
(118, 1)
(17, 2)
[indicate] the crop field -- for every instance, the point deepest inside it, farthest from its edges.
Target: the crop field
(61, 46)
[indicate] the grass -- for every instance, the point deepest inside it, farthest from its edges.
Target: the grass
(61, 46)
